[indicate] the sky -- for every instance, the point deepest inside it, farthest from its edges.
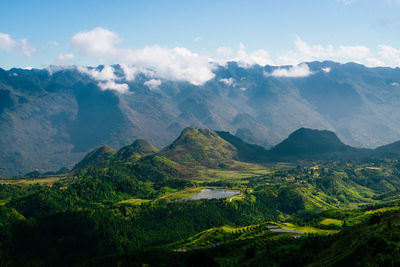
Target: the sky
(185, 39)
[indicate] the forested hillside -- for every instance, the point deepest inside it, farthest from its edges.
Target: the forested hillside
(133, 207)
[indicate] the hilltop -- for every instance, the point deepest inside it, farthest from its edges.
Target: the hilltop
(199, 146)
(136, 150)
(97, 158)
(311, 144)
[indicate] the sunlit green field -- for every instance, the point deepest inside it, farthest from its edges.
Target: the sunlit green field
(134, 201)
(305, 229)
(260, 234)
(233, 171)
(334, 222)
(48, 180)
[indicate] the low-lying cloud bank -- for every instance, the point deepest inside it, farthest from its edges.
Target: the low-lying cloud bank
(106, 78)
(180, 64)
(177, 64)
(296, 71)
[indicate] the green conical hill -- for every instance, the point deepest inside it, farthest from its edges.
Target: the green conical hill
(199, 146)
(307, 141)
(98, 157)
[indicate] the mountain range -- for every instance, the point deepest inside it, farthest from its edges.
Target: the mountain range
(203, 147)
(53, 117)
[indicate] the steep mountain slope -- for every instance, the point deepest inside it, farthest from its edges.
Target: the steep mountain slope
(52, 117)
(199, 146)
(374, 243)
(245, 151)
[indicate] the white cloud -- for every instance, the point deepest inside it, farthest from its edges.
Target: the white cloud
(130, 71)
(358, 52)
(64, 59)
(181, 64)
(260, 57)
(373, 62)
(9, 44)
(386, 55)
(106, 78)
(6, 42)
(228, 81)
(326, 69)
(112, 85)
(25, 49)
(55, 68)
(304, 52)
(107, 73)
(390, 54)
(395, 84)
(296, 71)
(98, 42)
(153, 84)
(177, 64)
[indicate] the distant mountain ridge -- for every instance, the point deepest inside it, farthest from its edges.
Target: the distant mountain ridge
(53, 117)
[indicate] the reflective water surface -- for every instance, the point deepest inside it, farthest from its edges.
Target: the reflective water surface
(213, 193)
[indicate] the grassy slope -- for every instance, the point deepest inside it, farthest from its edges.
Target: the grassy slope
(258, 233)
(199, 147)
(368, 244)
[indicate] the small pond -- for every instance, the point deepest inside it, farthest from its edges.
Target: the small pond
(283, 230)
(213, 193)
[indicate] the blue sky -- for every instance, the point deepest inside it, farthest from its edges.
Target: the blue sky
(41, 33)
